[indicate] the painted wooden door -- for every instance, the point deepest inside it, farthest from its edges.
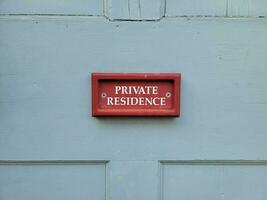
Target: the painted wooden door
(51, 147)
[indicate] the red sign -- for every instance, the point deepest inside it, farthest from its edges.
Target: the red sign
(136, 94)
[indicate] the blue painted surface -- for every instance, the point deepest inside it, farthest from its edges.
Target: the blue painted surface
(135, 9)
(45, 104)
(58, 7)
(196, 7)
(53, 181)
(214, 182)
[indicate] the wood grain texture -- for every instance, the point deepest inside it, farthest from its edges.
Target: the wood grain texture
(134, 9)
(137, 9)
(195, 8)
(223, 8)
(58, 7)
(247, 8)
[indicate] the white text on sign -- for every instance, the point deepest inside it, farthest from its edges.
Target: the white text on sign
(140, 100)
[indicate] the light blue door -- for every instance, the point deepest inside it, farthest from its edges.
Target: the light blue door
(52, 149)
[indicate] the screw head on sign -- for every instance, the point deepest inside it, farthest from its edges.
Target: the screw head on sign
(103, 95)
(168, 94)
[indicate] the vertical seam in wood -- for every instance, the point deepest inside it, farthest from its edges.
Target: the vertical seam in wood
(160, 180)
(129, 9)
(139, 9)
(107, 181)
(226, 10)
(106, 11)
(104, 7)
(249, 9)
(164, 2)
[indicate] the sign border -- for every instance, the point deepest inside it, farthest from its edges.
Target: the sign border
(97, 112)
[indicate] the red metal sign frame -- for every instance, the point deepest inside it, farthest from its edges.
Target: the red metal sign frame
(174, 78)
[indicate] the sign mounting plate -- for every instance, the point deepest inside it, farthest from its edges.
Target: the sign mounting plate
(136, 94)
